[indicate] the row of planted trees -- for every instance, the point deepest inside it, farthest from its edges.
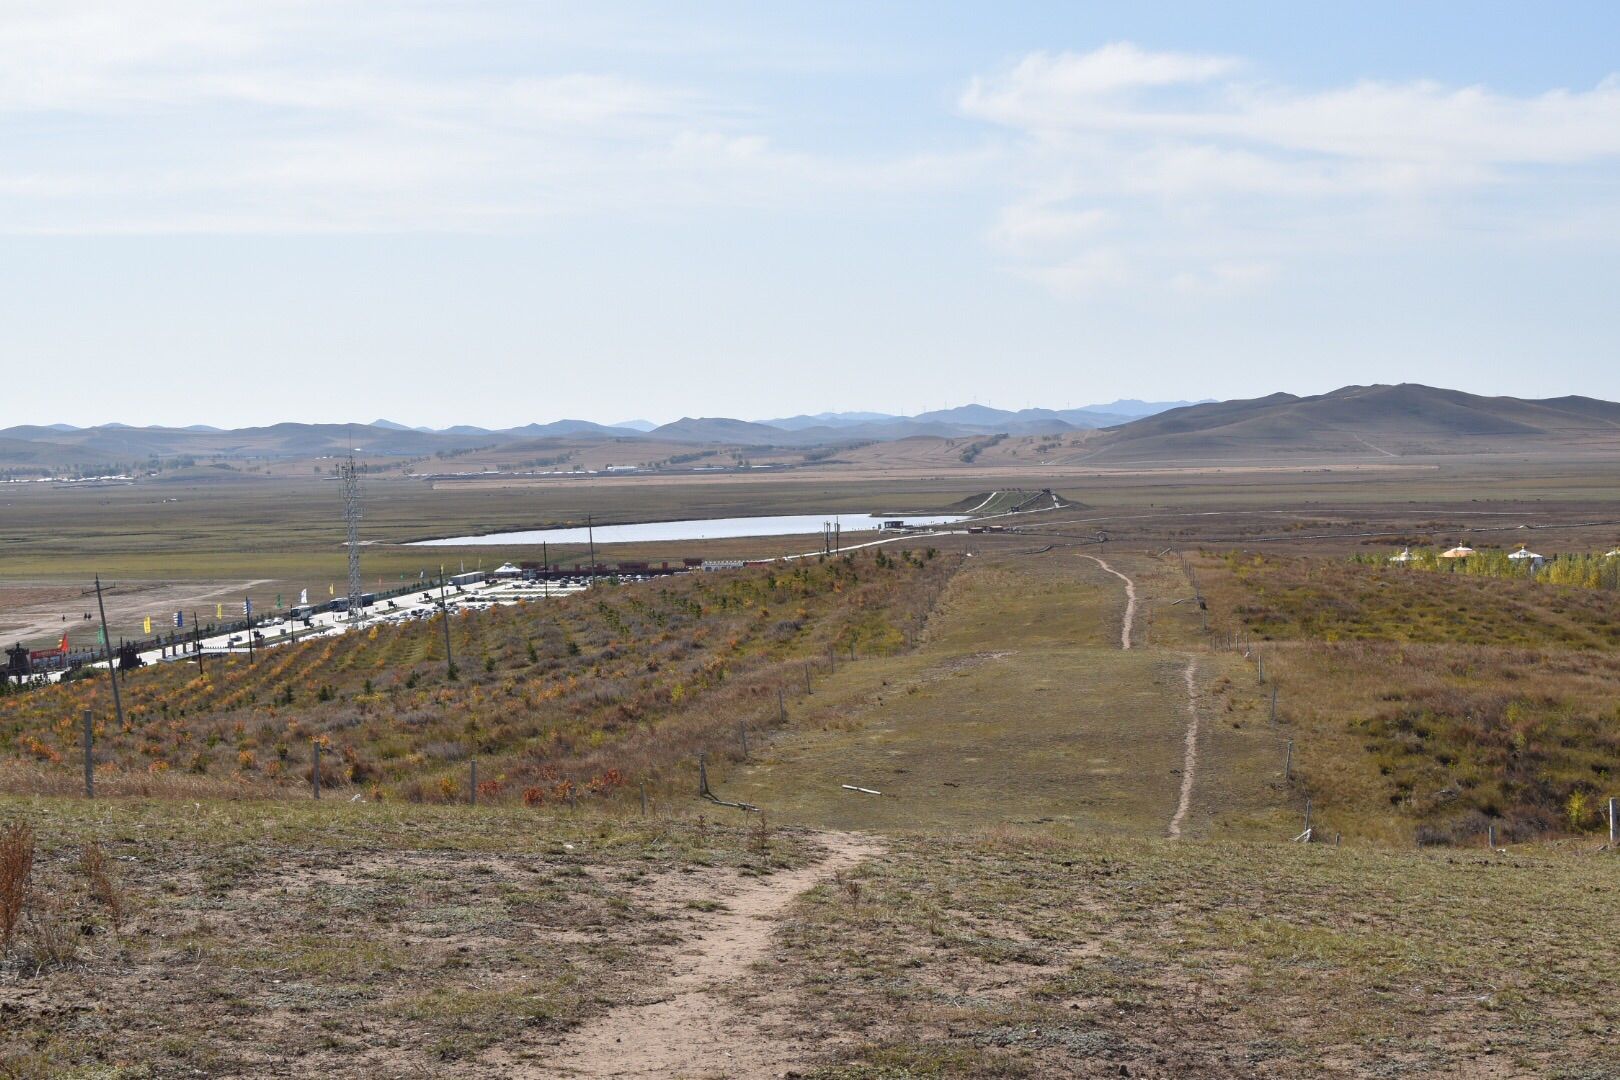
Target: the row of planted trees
(1588, 571)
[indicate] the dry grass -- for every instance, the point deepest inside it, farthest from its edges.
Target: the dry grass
(103, 881)
(16, 865)
(1011, 955)
(1020, 706)
(346, 939)
(1434, 706)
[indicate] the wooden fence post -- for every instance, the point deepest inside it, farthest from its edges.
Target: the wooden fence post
(807, 689)
(1274, 703)
(1288, 762)
(315, 772)
(703, 776)
(472, 783)
(781, 705)
(644, 798)
(1614, 822)
(742, 732)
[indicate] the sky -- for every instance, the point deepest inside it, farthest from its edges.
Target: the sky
(502, 212)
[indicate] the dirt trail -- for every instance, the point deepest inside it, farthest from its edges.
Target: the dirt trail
(690, 1028)
(1189, 763)
(1130, 601)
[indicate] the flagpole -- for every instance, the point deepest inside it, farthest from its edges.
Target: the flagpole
(106, 648)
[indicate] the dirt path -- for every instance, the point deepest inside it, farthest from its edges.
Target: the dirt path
(1189, 762)
(1130, 601)
(689, 1028)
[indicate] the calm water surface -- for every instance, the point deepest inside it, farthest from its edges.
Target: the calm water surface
(699, 529)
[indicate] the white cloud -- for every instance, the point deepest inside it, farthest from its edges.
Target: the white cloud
(298, 115)
(1194, 161)
(1043, 82)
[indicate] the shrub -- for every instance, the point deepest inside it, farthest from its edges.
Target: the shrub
(104, 886)
(16, 864)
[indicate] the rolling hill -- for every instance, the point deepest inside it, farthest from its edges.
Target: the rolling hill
(1399, 420)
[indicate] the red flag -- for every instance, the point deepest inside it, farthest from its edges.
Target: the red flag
(62, 648)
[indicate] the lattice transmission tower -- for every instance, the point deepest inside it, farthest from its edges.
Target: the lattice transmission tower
(350, 478)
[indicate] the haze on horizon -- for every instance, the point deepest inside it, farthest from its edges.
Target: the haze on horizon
(497, 213)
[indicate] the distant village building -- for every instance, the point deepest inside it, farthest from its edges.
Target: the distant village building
(1458, 552)
(1404, 557)
(722, 564)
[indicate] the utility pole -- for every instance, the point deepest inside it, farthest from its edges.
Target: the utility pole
(106, 647)
(196, 634)
(545, 571)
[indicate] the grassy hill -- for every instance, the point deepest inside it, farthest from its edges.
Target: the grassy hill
(1078, 864)
(562, 698)
(1395, 420)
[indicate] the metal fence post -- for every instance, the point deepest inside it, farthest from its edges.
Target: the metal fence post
(1288, 762)
(472, 783)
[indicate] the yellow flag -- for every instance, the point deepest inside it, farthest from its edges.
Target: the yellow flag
(331, 590)
(219, 611)
(148, 624)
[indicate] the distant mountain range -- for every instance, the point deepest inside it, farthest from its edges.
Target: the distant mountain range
(1368, 421)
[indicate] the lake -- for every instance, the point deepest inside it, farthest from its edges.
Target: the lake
(697, 529)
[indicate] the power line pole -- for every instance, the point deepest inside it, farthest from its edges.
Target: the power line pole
(350, 477)
(106, 647)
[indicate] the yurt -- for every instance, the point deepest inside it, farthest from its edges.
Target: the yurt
(1524, 555)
